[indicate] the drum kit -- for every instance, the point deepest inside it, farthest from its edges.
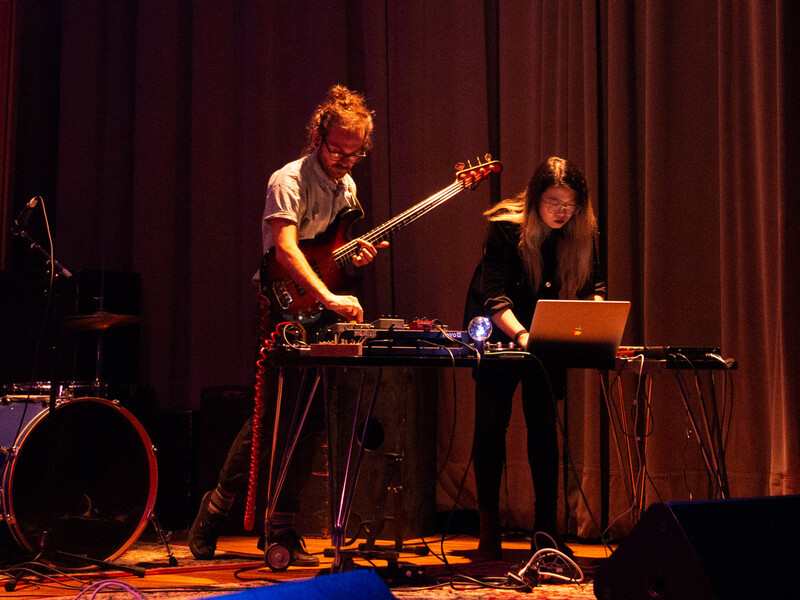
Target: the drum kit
(78, 472)
(79, 475)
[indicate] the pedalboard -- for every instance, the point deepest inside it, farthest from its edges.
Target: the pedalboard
(395, 337)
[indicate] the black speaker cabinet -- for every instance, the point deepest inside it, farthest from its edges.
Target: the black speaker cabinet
(716, 549)
(396, 481)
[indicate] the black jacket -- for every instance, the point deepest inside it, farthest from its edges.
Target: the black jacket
(500, 280)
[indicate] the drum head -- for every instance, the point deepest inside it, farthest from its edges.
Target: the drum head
(84, 481)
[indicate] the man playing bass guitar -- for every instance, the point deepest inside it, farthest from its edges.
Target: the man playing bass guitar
(304, 198)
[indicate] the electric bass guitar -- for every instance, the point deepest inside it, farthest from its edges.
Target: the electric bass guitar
(330, 252)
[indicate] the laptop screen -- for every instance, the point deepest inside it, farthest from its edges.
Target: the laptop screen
(578, 333)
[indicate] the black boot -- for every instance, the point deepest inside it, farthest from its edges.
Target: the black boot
(205, 530)
(490, 546)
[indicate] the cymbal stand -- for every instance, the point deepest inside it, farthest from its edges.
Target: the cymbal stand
(98, 363)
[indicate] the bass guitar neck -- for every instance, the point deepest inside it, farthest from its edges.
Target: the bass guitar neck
(330, 252)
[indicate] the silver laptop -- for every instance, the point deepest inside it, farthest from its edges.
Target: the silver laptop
(578, 333)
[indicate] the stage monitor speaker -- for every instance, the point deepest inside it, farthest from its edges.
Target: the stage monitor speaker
(360, 584)
(707, 550)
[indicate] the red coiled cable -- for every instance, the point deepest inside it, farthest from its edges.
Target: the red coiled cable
(258, 412)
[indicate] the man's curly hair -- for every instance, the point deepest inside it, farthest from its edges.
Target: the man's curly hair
(344, 108)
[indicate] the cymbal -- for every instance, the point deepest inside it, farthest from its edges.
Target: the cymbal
(99, 321)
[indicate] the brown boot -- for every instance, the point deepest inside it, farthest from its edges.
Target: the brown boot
(490, 546)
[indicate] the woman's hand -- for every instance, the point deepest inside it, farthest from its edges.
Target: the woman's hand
(521, 340)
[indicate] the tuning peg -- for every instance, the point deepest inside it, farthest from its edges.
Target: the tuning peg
(487, 157)
(460, 166)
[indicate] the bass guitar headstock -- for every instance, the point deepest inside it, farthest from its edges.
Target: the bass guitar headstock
(471, 176)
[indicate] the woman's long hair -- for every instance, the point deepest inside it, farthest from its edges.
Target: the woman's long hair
(574, 269)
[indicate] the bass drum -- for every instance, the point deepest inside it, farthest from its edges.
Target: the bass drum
(79, 480)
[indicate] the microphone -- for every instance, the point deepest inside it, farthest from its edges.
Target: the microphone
(24, 215)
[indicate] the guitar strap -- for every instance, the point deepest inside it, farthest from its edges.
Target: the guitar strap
(352, 200)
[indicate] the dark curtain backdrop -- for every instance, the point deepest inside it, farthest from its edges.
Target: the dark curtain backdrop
(150, 129)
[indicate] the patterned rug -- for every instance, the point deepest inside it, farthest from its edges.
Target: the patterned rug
(467, 581)
(239, 566)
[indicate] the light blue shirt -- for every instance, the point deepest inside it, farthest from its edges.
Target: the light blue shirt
(301, 192)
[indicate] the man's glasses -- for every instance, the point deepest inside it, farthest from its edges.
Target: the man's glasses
(342, 156)
(554, 207)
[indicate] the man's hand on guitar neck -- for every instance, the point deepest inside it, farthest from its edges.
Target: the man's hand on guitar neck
(367, 252)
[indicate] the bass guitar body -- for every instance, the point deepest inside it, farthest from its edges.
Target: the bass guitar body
(289, 301)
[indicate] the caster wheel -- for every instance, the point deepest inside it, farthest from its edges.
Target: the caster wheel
(278, 557)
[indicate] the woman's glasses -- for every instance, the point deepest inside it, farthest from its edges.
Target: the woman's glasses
(554, 207)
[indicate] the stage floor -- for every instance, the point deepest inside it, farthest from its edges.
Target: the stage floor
(239, 566)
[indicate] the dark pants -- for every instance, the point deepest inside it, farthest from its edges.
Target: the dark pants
(494, 392)
(234, 475)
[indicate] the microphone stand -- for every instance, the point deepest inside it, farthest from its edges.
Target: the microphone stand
(58, 270)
